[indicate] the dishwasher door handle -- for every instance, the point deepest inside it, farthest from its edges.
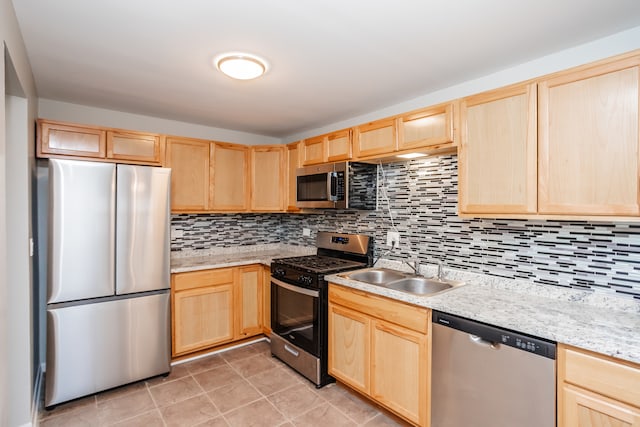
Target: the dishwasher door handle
(480, 341)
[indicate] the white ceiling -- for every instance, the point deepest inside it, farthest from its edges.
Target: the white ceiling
(330, 60)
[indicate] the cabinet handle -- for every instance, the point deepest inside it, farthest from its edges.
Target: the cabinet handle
(292, 351)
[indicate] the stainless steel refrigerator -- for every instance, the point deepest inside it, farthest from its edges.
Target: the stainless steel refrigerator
(108, 277)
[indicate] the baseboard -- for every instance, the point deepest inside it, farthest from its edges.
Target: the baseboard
(219, 350)
(36, 399)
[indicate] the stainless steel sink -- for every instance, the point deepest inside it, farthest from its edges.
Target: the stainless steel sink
(376, 276)
(419, 285)
(400, 281)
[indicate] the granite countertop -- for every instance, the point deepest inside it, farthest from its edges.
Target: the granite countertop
(232, 257)
(593, 321)
(605, 324)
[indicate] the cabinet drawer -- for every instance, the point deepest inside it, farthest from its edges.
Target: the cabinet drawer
(409, 316)
(606, 376)
(201, 279)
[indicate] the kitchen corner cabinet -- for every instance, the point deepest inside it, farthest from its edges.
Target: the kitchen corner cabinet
(381, 348)
(267, 178)
(497, 153)
(426, 128)
(596, 390)
(293, 160)
(215, 307)
(589, 140)
(375, 138)
(190, 162)
(230, 182)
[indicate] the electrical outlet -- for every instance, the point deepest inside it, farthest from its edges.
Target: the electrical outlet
(306, 232)
(393, 237)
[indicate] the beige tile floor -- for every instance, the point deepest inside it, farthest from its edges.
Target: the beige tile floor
(241, 387)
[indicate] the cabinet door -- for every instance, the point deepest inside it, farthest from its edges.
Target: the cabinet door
(588, 125)
(349, 340)
(586, 409)
(497, 155)
(189, 160)
(203, 317)
(138, 147)
(375, 138)
(63, 139)
(249, 301)
(339, 145)
(230, 177)
(267, 185)
(314, 151)
(400, 370)
(293, 163)
(428, 127)
(266, 300)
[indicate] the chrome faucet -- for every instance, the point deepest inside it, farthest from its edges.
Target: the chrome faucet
(415, 265)
(440, 273)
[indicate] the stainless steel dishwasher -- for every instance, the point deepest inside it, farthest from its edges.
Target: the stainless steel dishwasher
(485, 376)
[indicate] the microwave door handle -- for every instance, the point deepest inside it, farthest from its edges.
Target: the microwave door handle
(332, 186)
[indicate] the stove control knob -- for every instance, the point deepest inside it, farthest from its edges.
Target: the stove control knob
(305, 280)
(279, 272)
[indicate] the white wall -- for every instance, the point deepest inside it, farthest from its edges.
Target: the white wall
(616, 44)
(16, 145)
(75, 113)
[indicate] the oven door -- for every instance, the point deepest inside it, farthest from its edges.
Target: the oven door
(294, 315)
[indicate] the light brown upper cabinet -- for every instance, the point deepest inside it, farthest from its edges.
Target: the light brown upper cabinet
(314, 150)
(426, 128)
(293, 163)
(339, 145)
(267, 178)
(379, 137)
(190, 162)
(588, 146)
(497, 153)
(230, 183)
(66, 139)
(96, 143)
(141, 147)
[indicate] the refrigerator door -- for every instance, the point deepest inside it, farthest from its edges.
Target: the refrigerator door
(142, 229)
(81, 230)
(94, 347)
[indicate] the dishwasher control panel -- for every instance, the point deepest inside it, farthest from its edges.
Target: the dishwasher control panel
(493, 336)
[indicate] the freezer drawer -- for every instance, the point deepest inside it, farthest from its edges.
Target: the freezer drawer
(94, 347)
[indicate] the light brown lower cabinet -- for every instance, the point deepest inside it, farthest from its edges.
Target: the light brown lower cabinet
(596, 390)
(380, 348)
(215, 307)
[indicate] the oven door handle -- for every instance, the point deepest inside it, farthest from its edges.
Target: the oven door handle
(294, 288)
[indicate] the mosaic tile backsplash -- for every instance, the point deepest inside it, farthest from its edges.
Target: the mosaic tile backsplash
(419, 198)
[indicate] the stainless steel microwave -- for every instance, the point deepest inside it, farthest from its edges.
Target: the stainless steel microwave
(345, 185)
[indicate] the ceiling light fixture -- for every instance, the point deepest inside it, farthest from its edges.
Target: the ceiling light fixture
(240, 66)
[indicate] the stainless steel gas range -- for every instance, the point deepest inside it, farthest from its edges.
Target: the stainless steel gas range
(299, 301)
